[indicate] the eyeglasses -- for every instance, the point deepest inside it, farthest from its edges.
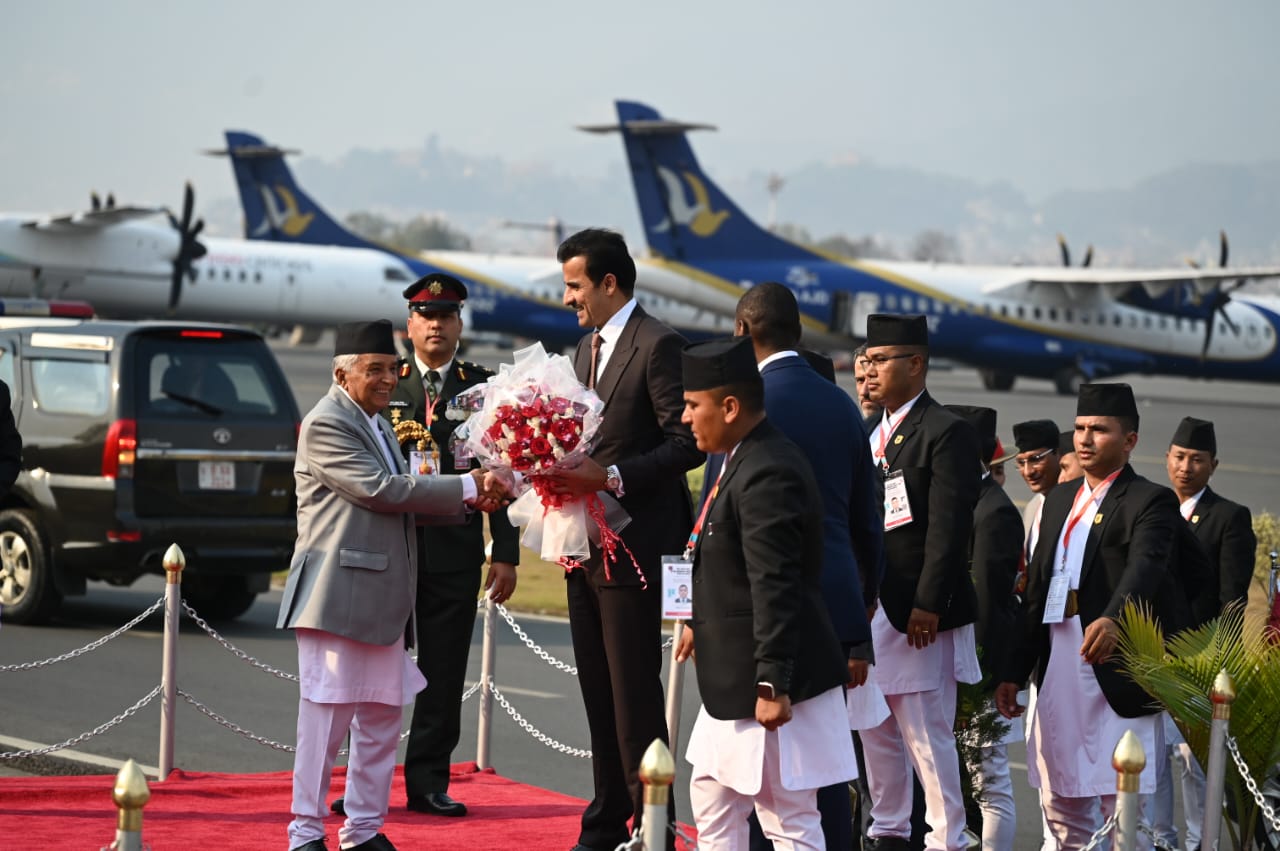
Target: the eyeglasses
(1034, 459)
(880, 360)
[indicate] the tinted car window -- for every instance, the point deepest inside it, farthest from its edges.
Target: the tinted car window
(72, 387)
(6, 366)
(186, 377)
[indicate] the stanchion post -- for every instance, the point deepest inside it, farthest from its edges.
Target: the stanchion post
(487, 655)
(1128, 759)
(1222, 695)
(675, 689)
(174, 562)
(657, 770)
(130, 794)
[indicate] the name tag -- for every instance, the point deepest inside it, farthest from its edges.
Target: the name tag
(1055, 604)
(677, 588)
(897, 507)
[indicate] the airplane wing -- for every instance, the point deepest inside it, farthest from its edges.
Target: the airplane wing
(1119, 281)
(91, 220)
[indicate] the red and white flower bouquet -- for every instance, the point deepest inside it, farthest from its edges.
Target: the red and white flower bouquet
(533, 418)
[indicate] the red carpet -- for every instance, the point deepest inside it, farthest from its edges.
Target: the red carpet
(250, 811)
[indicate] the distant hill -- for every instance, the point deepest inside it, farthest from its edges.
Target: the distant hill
(1158, 220)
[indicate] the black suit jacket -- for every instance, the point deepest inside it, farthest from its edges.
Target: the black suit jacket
(642, 434)
(458, 547)
(927, 560)
(1225, 531)
(1129, 555)
(758, 611)
(995, 553)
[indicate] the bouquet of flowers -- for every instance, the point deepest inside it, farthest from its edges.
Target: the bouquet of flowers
(533, 418)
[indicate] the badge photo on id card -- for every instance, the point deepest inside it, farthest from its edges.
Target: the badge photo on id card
(677, 588)
(897, 508)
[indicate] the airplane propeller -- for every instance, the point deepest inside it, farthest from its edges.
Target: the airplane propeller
(190, 248)
(1220, 298)
(1066, 253)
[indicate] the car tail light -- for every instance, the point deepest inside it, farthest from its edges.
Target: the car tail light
(120, 450)
(208, 335)
(124, 535)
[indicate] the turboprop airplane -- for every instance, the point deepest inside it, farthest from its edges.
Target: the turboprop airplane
(277, 209)
(1066, 324)
(127, 264)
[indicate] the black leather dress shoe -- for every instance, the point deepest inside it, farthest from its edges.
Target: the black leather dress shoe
(313, 845)
(889, 843)
(437, 804)
(338, 807)
(377, 843)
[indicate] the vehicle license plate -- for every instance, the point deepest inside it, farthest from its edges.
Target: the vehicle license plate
(217, 475)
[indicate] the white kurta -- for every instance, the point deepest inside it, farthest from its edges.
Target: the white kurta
(902, 669)
(814, 747)
(333, 669)
(1073, 731)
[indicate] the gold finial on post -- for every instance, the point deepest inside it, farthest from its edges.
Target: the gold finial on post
(657, 771)
(174, 561)
(1223, 695)
(1128, 760)
(130, 794)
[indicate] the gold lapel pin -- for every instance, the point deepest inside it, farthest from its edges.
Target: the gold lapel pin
(1097, 518)
(1195, 518)
(897, 439)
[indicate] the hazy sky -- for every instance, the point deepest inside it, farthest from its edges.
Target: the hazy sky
(1081, 95)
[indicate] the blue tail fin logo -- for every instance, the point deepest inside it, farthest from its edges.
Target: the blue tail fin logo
(283, 215)
(698, 216)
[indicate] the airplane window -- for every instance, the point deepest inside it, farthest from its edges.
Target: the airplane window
(891, 302)
(1022, 313)
(1266, 332)
(393, 273)
(1253, 330)
(1069, 315)
(1133, 321)
(1004, 310)
(939, 307)
(1053, 314)
(1146, 322)
(257, 277)
(1163, 323)
(1085, 318)
(1036, 312)
(226, 274)
(243, 276)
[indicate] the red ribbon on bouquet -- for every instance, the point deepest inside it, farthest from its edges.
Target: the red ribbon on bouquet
(610, 540)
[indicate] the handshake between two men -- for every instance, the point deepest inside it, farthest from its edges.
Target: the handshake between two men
(493, 490)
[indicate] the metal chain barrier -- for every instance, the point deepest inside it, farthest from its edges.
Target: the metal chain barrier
(236, 651)
(543, 654)
(635, 843)
(84, 737)
(1159, 843)
(43, 663)
(234, 727)
(534, 731)
(1268, 812)
(1101, 834)
(689, 843)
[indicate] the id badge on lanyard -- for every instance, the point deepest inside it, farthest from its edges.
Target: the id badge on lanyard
(897, 506)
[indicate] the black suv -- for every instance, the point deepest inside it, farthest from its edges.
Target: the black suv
(137, 435)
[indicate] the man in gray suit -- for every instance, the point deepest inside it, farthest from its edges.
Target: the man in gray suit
(351, 587)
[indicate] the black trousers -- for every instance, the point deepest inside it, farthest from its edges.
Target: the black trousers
(617, 634)
(446, 610)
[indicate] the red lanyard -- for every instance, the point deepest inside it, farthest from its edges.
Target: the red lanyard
(886, 434)
(1099, 491)
(697, 527)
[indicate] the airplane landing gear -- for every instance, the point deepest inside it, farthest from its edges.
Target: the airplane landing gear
(997, 379)
(1067, 381)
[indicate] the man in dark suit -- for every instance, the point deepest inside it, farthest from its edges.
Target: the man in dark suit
(871, 410)
(923, 632)
(449, 557)
(819, 417)
(641, 455)
(766, 648)
(994, 556)
(1103, 542)
(1224, 530)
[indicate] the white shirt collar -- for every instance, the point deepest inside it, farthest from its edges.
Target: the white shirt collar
(789, 353)
(899, 414)
(612, 329)
(1188, 505)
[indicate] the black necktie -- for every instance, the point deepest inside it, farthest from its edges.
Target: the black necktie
(596, 342)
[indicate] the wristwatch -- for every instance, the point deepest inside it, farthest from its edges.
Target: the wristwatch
(613, 480)
(766, 691)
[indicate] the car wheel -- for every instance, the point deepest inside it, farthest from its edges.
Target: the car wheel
(219, 598)
(27, 590)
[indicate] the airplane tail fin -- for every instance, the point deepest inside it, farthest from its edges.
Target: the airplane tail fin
(686, 215)
(275, 207)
